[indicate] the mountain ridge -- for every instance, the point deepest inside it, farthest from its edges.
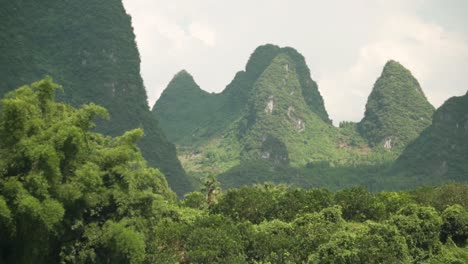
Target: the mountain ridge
(276, 130)
(227, 106)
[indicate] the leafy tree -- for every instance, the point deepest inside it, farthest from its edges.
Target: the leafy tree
(359, 205)
(369, 243)
(273, 242)
(170, 238)
(67, 193)
(295, 202)
(455, 225)
(214, 239)
(421, 228)
(341, 249)
(195, 200)
(212, 187)
(314, 229)
(255, 204)
(393, 201)
(382, 243)
(121, 244)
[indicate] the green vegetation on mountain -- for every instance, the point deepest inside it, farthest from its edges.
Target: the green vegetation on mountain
(190, 116)
(75, 187)
(269, 124)
(440, 153)
(278, 125)
(70, 195)
(89, 47)
(397, 110)
(184, 108)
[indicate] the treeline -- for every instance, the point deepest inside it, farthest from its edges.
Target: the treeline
(279, 224)
(70, 195)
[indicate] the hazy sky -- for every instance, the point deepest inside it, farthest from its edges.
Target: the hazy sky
(345, 43)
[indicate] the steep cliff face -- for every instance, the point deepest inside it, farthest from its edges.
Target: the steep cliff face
(440, 153)
(397, 110)
(278, 124)
(89, 47)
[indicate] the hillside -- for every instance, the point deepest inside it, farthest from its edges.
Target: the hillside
(397, 110)
(269, 124)
(183, 107)
(205, 116)
(88, 47)
(440, 153)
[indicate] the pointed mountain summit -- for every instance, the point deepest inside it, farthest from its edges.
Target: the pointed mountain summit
(441, 152)
(183, 82)
(264, 55)
(183, 107)
(397, 109)
(279, 125)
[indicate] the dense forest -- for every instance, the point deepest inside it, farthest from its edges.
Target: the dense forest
(71, 195)
(257, 173)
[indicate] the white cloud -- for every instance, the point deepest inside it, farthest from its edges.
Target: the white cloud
(171, 31)
(203, 33)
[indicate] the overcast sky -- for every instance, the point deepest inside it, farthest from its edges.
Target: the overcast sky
(345, 43)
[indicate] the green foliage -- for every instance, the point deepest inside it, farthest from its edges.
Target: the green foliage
(216, 132)
(89, 46)
(187, 113)
(382, 243)
(214, 239)
(121, 244)
(296, 202)
(191, 116)
(255, 204)
(373, 243)
(272, 242)
(441, 152)
(421, 228)
(360, 205)
(442, 196)
(267, 202)
(451, 254)
(397, 109)
(195, 200)
(269, 124)
(312, 230)
(455, 225)
(111, 210)
(67, 193)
